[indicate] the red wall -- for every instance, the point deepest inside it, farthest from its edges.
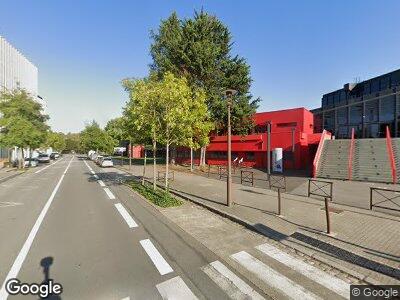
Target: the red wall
(253, 148)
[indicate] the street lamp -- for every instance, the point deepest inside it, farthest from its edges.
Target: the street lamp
(229, 94)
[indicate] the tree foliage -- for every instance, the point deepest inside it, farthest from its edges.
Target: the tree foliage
(200, 50)
(22, 121)
(56, 140)
(73, 143)
(116, 129)
(95, 138)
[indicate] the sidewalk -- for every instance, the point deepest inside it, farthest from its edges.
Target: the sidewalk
(365, 244)
(8, 173)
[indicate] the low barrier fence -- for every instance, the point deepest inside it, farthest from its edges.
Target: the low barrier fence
(247, 177)
(320, 188)
(161, 175)
(379, 196)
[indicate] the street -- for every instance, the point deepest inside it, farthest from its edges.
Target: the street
(61, 224)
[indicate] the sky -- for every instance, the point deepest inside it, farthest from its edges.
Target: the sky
(297, 50)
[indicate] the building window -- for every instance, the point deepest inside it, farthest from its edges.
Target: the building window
(372, 131)
(385, 81)
(329, 120)
(367, 88)
(343, 132)
(341, 116)
(317, 123)
(387, 109)
(375, 86)
(371, 111)
(356, 112)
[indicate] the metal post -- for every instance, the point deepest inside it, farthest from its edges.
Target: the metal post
(269, 148)
(144, 166)
(130, 154)
(229, 179)
(370, 198)
(293, 148)
(328, 221)
(279, 201)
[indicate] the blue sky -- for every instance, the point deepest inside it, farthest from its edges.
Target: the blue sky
(298, 50)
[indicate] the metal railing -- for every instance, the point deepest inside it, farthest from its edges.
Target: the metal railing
(384, 196)
(222, 172)
(320, 188)
(247, 177)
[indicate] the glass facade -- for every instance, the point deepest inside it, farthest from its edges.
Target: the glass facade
(368, 107)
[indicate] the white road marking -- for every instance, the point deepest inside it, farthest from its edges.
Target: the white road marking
(331, 282)
(161, 264)
(126, 298)
(272, 278)
(95, 176)
(109, 193)
(13, 273)
(229, 282)
(7, 204)
(101, 182)
(92, 172)
(42, 169)
(175, 288)
(127, 217)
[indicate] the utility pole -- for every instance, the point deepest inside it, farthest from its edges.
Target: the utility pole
(269, 148)
(229, 94)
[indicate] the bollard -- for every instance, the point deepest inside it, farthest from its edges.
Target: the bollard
(328, 221)
(279, 201)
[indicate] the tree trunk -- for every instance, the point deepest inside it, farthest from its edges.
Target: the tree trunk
(166, 167)
(191, 159)
(154, 164)
(23, 158)
(144, 166)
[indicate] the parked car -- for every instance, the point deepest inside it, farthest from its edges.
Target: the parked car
(31, 162)
(98, 159)
(43, 158)
(54, 155)
(93, 156)
(106, 162)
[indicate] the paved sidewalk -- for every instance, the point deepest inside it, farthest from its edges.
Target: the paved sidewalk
(364, 243)
(8, 173)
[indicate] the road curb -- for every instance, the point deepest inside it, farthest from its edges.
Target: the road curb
(249, 225)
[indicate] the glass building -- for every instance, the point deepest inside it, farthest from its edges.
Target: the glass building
(368, 107)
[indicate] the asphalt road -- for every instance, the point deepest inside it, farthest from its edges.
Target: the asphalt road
(74, 223)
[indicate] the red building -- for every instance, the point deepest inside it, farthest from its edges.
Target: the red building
(291, 129)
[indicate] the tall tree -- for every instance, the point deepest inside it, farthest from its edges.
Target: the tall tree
(95, 138)
(200, 49)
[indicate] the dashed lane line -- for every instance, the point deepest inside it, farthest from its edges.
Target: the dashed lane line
(109, 193)
(161, 264)
(127, 217)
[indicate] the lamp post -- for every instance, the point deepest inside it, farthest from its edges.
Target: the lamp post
(229, 94)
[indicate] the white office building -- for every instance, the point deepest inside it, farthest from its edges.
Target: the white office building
(17, 71)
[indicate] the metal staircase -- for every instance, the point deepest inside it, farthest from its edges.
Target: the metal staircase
(371, 161)
(334, 159)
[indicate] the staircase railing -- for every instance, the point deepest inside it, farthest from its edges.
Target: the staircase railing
(351, 153)
(324, 136)
(391, 154)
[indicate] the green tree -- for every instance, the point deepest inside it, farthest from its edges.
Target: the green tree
(142, 114)
(73, 143)
(116, 129)
(200, 49)
(22, 121)
(56, 140)
(95, 138)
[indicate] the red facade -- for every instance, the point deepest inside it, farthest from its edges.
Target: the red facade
(291, 129)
